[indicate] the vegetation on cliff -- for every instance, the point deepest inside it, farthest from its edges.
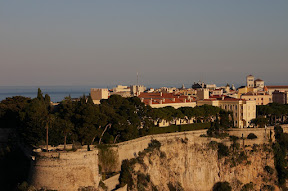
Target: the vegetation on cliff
(127, 173)
(280, 155)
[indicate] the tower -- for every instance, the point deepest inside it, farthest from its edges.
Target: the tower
(250, 81)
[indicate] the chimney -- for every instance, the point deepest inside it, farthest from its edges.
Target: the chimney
(161, 93)
(184, 100)
(173, 99)
(160, 101)
(223, 97)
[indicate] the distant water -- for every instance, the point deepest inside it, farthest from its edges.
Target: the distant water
(57, 93)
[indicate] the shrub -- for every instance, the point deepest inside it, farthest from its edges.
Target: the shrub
(248, 187)
(177, 187)
(154, 144)
(107, 158)
(223, 150)
(102, 185)
(125, 174)
(269, 169)
(162, 155)
(222, 186)
(213, 145)
(251, 136)
(268, 188)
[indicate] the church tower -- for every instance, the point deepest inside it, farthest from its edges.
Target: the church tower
(250, 81)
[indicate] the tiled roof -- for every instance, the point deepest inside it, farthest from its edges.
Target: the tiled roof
(275, 87)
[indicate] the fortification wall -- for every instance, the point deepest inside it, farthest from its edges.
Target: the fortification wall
(130, 149)
(73, 170)
(66, 170)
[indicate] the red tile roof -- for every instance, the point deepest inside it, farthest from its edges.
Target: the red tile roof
(275, 87)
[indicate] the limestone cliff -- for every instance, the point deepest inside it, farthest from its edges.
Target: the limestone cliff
(185, 165)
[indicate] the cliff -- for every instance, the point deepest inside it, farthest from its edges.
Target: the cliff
(185, 165)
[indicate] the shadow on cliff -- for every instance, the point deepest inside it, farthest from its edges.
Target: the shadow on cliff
(14, 167)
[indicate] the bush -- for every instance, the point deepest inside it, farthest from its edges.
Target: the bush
(154, 144)
(213, 145)
(269, 169)
(177, 187)
(248, 187)
(125, 174)
(107, 158)
(222, 186)
(223, 150)
(251, 136)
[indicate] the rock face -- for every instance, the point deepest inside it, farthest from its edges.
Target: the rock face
(190, 166)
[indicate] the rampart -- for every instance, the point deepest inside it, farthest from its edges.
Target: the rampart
(73, 170)
(66, 170)
(130, 149)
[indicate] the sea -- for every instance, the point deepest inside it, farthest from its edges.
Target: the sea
(57, 93)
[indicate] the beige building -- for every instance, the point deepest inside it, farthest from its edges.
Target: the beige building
(271, 89)
(120, 88)
(99, 93)
(259, 84)
(137, 89)
(243, 110)
(202, 93)
(250, 81)
(217, 92)
(261, 98)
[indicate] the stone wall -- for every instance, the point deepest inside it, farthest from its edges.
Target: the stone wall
(65, 170)
(130, 149)
(80, 168)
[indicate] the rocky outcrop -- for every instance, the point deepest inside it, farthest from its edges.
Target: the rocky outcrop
(186, 165)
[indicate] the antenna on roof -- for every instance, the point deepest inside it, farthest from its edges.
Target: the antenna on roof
(137, 80)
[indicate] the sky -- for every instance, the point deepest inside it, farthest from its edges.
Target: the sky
(104, 43)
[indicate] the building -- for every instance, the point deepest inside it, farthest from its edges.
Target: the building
(120, 88)
(280, 97)
(99, 93)
(217, 92)
(271, 89)
(135, 90)
(158, 100)
(261, 98)
(250, 81)
(259, 84)
(243, 110)
(202, 93)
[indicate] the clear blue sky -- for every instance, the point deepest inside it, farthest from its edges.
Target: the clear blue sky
(101, 43)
